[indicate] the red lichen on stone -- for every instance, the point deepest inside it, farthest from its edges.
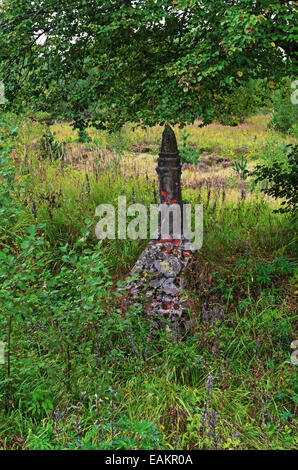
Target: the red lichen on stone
(167, 305)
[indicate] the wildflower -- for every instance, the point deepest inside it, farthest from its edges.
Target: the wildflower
(273, 44)
(239, 73)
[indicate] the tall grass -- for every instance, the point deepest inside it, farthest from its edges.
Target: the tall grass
(83, 373)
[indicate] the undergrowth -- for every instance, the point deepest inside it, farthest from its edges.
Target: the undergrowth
(81, 373)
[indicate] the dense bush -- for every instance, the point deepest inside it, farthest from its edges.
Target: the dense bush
(49, 148)
(83, 136)
(285, 113)
(232, 109)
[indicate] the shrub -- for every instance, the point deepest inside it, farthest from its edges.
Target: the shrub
(83, 136)
(285, 113)
(240, 168)
(233, 108)
(282, 179)
(188, 154)
(49, 148)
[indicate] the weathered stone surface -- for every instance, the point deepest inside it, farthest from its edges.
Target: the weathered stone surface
(156, 283)
(159, 282)
(169, 142)
(158, 273)
(169, 173)
(170, 288)
(169, 267)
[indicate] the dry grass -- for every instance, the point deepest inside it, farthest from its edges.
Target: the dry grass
(216, 144)
(225, 141)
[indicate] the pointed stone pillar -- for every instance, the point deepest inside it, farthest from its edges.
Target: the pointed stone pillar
(169, 173)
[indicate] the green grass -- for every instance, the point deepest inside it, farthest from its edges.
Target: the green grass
(82, 373)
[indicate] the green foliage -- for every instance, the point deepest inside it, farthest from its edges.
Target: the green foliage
(184, 137)
(43, 117)
(282, 179)
(240, 168)
(41, 403)
(83, 136)
(49, 148)
(9, 209)
(265, 274)
(253, 276)
(188, 154)
(285, 113)
(110, 67)
(235, 107)
(82, 372)
(128, 435)
(273, 150)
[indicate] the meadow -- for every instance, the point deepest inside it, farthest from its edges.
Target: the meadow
(82, 373)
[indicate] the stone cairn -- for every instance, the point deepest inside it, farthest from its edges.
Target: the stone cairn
(157, 277)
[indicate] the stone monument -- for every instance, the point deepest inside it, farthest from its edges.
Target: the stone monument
(158, 274)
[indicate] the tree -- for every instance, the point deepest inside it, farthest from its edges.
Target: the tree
(107, 62)
(232, 108)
